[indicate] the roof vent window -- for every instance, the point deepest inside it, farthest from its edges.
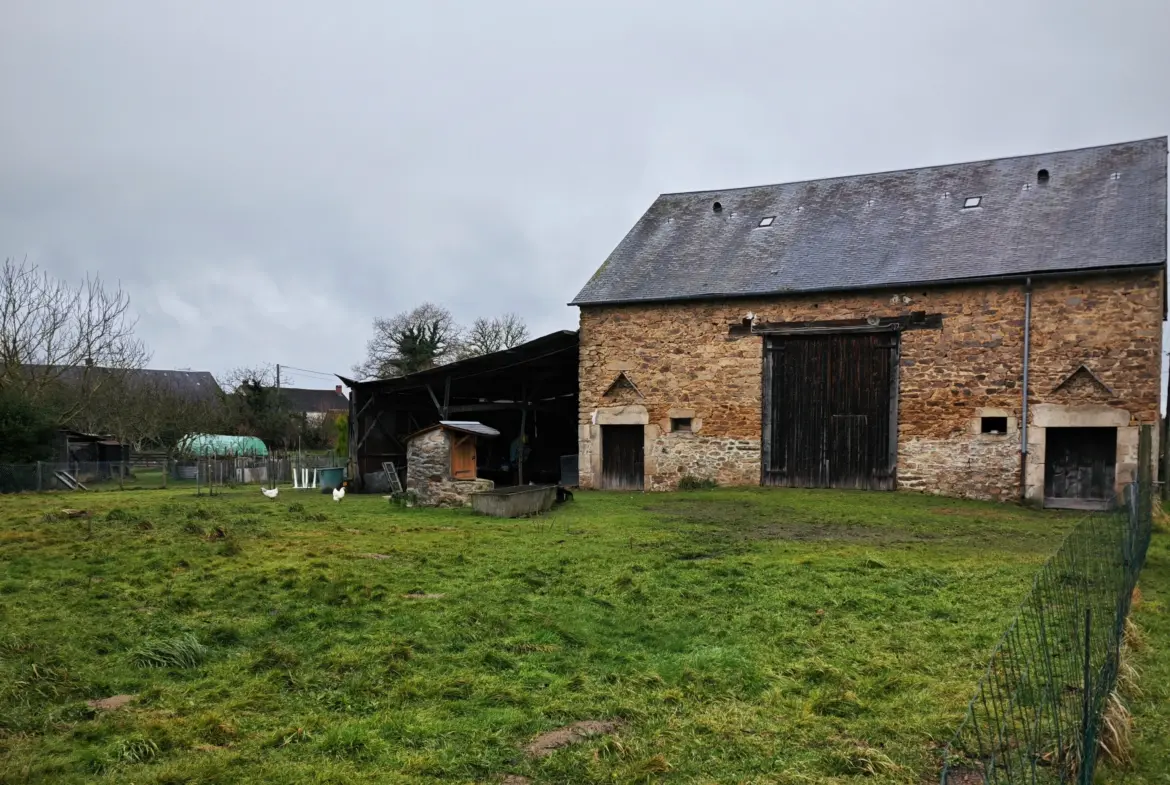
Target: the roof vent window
(717, 207)
(767, 221)
(1042, 177)
(972, 201)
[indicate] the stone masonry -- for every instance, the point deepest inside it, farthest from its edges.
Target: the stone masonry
(428, 472)
(682, 363)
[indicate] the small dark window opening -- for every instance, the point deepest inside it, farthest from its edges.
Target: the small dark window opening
(1042, 177)
(680, 424)
(996, 425)
(717, 207)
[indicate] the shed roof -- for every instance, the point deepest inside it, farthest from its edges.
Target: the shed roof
(300, 399)
(1098, 208)
(549, 355)
(460, 426)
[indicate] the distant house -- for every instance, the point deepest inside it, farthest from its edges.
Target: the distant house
(192, 385)
(316, 405)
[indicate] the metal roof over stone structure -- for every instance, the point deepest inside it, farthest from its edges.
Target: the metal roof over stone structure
(1077, 210)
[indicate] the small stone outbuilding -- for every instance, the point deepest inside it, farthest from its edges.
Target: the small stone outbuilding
(989, 330)
(441, 463)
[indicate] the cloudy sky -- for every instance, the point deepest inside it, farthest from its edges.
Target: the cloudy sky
(266, 176)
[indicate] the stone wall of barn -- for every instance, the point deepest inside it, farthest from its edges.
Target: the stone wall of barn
(649, 364)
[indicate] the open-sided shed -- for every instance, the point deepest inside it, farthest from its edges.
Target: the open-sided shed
(528, 393)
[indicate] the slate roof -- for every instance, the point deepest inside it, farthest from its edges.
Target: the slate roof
(300, 399)
(194, 385)
(1101, 207)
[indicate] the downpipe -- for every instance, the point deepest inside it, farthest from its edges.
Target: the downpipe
(1024, 393)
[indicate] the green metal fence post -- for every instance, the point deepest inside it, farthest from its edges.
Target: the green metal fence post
(1086, 770)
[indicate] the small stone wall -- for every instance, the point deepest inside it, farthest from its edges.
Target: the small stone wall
(428, 473)
(726, 461)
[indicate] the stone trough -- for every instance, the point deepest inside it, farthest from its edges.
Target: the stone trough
(515, 501)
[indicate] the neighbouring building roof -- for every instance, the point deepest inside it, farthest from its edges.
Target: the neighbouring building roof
(194, 385)
(1077, 210)
(304, 400)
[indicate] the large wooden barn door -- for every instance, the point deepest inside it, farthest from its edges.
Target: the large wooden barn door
(1080, 465)
(830, 410)
(622, 456)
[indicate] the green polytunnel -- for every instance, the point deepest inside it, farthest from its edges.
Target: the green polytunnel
(220, 445)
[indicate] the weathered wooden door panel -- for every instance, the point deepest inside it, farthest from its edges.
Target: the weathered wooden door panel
(622, 457)
(1080, 463)
(829, 416)
(463, 458)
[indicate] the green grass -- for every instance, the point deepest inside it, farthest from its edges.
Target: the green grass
(736, 636)
(1150, 708)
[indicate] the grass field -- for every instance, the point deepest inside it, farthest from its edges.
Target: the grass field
(1151, 707)
(733, 636)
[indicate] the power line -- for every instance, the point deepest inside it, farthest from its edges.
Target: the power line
(306, 370)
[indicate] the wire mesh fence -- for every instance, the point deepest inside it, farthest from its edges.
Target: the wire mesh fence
(1037, 712)
(163, 472)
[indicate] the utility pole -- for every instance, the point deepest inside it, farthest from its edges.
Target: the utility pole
(278, 377)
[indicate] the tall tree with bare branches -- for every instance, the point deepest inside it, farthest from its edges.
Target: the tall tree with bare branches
(55, 336)
(493, 335)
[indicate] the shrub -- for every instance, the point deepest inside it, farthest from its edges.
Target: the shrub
(690, 483)
(407, 498)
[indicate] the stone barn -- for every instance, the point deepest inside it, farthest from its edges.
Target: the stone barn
(989, 330)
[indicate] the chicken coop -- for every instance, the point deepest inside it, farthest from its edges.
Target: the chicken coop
(527, 394)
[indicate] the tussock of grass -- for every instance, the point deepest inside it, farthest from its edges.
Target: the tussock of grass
(736, 635)
(184, 651)
(1115, 741)
(1134, 638)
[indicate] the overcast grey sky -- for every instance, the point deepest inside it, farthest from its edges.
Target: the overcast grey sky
(266, 176)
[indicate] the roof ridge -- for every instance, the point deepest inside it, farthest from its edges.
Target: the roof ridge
(1162, 138)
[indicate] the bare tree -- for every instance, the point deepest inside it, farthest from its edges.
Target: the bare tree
(169, 415)
(493, 335)
(62, 341)
(410, 341)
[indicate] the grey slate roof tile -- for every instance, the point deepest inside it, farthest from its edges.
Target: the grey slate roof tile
(1101, 207)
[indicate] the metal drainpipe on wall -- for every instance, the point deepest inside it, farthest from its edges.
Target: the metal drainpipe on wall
(1024, 393)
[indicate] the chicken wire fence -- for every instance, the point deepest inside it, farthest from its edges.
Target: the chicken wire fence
(1038, 711)
(164, 472)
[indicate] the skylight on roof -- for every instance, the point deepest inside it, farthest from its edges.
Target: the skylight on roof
(766, 221)
(972, 201)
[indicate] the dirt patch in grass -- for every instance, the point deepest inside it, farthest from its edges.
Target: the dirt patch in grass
(378, 556)
(111, 703)
(548, 743)
(965, 776)
(741, 522)
(516, 779)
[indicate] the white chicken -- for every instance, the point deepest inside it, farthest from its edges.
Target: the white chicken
(338, 494)
(270, 492)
